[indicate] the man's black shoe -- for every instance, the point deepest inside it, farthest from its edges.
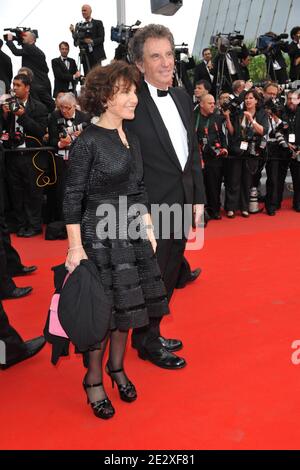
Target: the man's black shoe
(33, 346)
(297, 208)
(17, 293)
(30, 232)
(170, 345)
(20, 232)
(162, 358)
(25, 270)
(193, 276)
(271, 212)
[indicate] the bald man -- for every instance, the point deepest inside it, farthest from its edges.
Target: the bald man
(32, 57)
(88, 35)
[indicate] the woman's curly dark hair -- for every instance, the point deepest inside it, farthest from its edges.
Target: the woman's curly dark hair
(101, 84)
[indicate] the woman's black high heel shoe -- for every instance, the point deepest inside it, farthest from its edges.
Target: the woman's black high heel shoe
(101, 408)
(127, 392)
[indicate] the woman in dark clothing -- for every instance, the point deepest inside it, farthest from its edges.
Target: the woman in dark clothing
(248, 128)
(106, 174)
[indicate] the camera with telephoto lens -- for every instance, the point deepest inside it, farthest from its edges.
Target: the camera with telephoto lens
(279, 135)
(12, 102)
(274, 107)
(227, 42)
(233, 104)
(19, 34)
(64, 130)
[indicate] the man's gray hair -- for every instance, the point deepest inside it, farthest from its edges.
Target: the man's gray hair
(67, 98)
(136, 44)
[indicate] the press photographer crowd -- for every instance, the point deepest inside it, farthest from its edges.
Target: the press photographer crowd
(242, 128)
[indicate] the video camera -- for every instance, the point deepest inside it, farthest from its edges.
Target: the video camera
(122, 33)
(64, 130)
(269, 42)
(19, 34)
(274, 107)
(227, 42)
(83, 31)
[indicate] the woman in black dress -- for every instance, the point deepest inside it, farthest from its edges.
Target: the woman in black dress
(106, 169)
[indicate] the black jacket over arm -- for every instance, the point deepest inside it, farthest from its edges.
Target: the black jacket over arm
(294, 53)
(201, 73)
(6, 71)
(164, 178)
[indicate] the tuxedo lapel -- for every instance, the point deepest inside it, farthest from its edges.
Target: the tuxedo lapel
(183, 116)
(159, 126)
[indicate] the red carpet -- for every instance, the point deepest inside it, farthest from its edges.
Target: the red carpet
(238, 322)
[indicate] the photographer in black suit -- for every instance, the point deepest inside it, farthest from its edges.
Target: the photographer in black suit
(65, 71)
(38, 92)
(6, 72)
(172, 169)
(32, 57)
(275, 61)
(25, 121)
(227, 67)
(65, 125)
(88, 35)
(294, 53)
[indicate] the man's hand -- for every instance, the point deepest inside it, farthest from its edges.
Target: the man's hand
(88, 41)
(198, 213)
(20, 112)
(64, 142)
(10, 37)
(72, 28)
(76, 75)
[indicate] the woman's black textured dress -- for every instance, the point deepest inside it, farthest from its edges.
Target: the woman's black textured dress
(101, 170)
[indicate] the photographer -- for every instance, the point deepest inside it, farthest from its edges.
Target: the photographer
(294, 53)
(213, 146)
(6, 72)
(246, 146)
(204, 70)
(25, 121)
(272, 46)
(278, 153)
(226, 65)
(65, 125)
(36, 91)
(291, 134)
(32, 57)
(65, 71)
(88, 35)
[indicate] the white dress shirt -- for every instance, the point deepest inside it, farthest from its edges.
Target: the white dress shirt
(173, 122)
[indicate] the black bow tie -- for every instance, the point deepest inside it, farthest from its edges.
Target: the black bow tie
(161, 93)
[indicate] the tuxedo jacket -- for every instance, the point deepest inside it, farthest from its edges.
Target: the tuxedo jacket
(97, 35)
(201, 73)
(63, 76)
(164, 178)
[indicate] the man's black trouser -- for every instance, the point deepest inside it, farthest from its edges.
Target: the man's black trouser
(25, 195)
(170, 254)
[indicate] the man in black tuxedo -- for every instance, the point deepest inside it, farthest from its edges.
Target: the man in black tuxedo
(6, 71)
(12, 347)
(32, 57)
(88, 35)
(204, 70)
(172, 169)
(65, 71)
(26, 125)
(294, 53)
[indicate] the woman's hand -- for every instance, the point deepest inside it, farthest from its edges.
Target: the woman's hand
(74, 256)
(248, 116)
(152, 239)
